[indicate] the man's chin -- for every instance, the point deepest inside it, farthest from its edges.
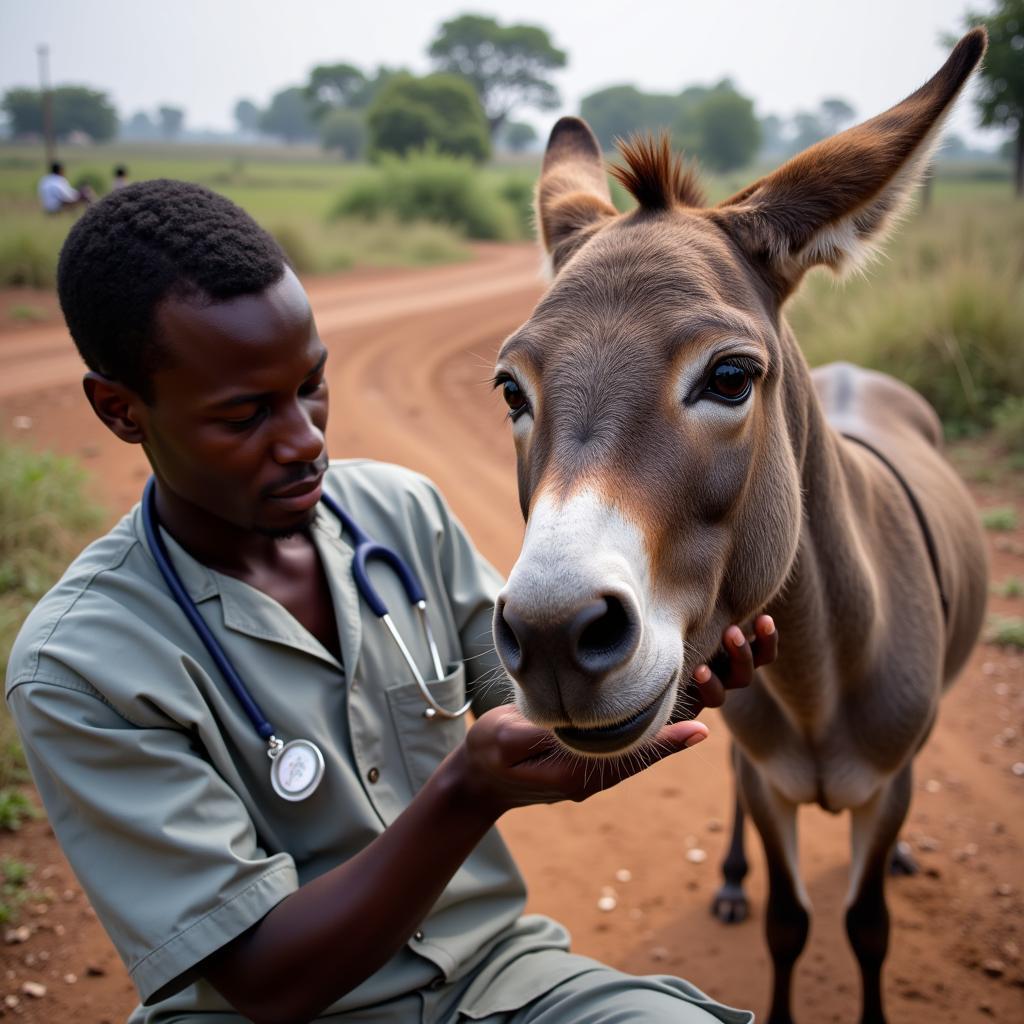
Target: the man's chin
(290, 529)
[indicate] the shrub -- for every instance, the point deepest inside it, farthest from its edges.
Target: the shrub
(943, 312)
(430, 186)
(440, 110)
(999, 519)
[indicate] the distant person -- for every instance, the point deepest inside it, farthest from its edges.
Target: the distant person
(56, 193)
(120, 177)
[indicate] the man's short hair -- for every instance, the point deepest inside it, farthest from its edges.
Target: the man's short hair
(56, 167)
(145, 243)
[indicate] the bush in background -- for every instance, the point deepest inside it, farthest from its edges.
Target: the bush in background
(439, 111)
(433, 187)
(943, 311)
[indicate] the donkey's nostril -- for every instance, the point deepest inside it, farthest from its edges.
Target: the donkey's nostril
(603, 635)
(506, 639)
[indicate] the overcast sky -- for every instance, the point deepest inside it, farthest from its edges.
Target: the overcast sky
(206, 54)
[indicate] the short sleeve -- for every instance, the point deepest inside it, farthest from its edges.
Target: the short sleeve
(163, 847)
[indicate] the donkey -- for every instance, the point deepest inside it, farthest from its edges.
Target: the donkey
(680, 468)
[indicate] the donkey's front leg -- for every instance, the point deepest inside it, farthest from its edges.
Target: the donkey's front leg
(873, 832)
(730, 902)
(787, 920)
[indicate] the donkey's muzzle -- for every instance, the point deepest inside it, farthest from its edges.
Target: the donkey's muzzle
(578, 647)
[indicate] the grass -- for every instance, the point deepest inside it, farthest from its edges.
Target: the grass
(999, 520)
(44, 516)
(1005, 631)
(943, 310)
(1011, 587)
(14, 888)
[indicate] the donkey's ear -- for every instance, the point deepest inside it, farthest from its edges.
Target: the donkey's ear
(572, 195)
(833, 203)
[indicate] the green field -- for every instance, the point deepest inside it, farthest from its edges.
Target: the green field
(290, 191)
(943, 308)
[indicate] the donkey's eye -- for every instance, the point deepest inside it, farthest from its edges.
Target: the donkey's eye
(730, 383)
(514, 397)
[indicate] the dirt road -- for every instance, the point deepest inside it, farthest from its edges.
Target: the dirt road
(411, 353)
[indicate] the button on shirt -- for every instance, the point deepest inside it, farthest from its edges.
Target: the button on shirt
(158, 785)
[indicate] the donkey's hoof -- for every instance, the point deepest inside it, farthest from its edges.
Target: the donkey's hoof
(903, 862)
(730, 904)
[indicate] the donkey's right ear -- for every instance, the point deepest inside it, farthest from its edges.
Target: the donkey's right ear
(573, 199)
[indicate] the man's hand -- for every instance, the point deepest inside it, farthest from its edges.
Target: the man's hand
(507, 762)
(734, 667)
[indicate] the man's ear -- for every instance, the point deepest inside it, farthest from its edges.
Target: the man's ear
(834, 203)
(118, 407)
(573, 199)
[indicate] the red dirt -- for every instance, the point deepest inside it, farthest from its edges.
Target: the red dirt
(411, 354)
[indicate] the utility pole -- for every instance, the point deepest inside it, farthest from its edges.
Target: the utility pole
(46, 97)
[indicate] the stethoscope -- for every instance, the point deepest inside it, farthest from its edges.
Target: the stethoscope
(297, 767)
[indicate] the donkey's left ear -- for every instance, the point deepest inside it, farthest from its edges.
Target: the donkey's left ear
(833, 203)
(572, 195)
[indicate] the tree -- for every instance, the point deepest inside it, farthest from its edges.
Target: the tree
(518, 136)
(139, 126)
(439, 110)
(332, 86)
(247, 117)
(509, 66)
(345, 131)
(809, 130)
(289, 116)
(76, 108)
(171, 121)
(728, 130)
(836, 113)
(1000, 96)
(620, 110)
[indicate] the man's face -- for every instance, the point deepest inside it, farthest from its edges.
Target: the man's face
(236, 425)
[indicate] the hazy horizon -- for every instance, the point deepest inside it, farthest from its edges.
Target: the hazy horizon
(204, 57)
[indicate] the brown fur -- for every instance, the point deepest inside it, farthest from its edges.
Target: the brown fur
(766, 506)
(655, 176)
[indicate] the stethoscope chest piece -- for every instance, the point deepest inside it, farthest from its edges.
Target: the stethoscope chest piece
(296, 768)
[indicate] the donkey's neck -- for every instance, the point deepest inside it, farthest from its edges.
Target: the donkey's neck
(827, 613)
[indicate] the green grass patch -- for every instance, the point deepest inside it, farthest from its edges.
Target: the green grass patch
(1005, 631)
(25, 313)
(14, 888)
(15, 809)
(999, 520)
(44, 517)
(1012, 586)
(943, 311)
(440, 189)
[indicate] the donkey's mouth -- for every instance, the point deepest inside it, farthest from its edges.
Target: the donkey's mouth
(607, 739)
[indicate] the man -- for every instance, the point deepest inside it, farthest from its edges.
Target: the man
(56, 193)
(385, 894)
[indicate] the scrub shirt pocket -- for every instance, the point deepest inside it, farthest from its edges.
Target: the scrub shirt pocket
(425, 742)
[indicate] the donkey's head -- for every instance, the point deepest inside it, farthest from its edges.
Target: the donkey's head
(658, 406)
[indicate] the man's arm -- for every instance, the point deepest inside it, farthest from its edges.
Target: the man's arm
(328, 936)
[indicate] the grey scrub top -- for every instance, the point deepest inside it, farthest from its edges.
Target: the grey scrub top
(157, 784)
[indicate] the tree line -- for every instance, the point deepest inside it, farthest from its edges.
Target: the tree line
(484, 72)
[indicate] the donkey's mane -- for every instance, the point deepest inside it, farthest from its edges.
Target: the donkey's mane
(655, 176)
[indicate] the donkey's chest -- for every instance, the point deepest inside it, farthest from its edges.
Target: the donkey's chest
(836, 752)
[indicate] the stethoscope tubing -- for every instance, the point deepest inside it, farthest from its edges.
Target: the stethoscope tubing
(364, 551)
(187, 605)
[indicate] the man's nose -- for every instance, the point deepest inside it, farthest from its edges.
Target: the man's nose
(299, 438)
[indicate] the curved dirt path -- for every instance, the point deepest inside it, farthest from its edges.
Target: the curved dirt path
(411, 353)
